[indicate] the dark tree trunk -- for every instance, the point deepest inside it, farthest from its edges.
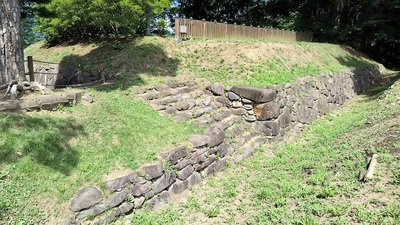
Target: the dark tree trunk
(11, 50)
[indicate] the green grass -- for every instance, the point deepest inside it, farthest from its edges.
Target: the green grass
(63, 151)
(46, 157)
(263, 62)
(233, 62)
(311, 180)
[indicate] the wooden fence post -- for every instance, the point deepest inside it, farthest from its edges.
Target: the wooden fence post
(204, 29)
(226, 29)
(30, 69)
(177, 33)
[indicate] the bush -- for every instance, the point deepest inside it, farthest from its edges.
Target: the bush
(63, 20)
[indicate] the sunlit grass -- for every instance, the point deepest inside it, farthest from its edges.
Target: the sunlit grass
(47, 156)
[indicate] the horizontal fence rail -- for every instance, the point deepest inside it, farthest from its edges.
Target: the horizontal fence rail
(190, 28)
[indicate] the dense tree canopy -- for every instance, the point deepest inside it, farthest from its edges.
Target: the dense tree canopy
(63, 20)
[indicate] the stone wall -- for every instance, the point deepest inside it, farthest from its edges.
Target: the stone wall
(280, 108)
(272, 112)
(153, 184)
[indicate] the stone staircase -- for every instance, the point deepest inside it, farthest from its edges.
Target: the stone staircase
(206, 107)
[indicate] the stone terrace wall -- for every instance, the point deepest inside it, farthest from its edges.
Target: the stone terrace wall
(277, 109)
(272, 112)
(153, 184)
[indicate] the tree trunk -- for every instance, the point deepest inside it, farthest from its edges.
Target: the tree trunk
(11, 50)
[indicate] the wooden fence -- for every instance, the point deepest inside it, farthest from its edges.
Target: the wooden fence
(53, 75)
(189, 28)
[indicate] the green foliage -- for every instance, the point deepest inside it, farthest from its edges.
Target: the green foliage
(161, 25)
(75, 19)
(396, 178)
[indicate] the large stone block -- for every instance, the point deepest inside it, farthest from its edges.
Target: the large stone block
(125, 208)
(233, 97)
(139, 189)
(322, 105)
(258, 95)
(175, 155)
(116, 199)
(270, 128)
(138, 202)
(304, 114)
(197, 158)
(284, 118)
(210, 169)
(223, 100)
(182, 164)
(85, 198)
(199, 140)
(248, 152)
(222, 115)
(221, 150)
(179, 187)
(221, 165)
(152, 171)
(206, 163)
(194, 179)
(118, 183)
(238, 112)
(216, 136)
(185, 173)
(161, 87)
(217, 89)
(202, 111)
(164, 181)
(182, 106)
(159, 200)
(267, 111)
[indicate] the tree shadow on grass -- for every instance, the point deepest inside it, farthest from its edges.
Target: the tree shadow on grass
(45, 140)
(381, 85)
(384, 81)
(122, 63)
(354, 59)
(361, 68)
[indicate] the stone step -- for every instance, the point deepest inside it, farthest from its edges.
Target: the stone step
(205, 116)
(241, 140)
(249, 148)
(164, 92)
(184, 105)
(228, 122)
(172, 100)
(238, 128)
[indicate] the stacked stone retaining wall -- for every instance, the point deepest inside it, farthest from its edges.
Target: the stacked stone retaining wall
(272, 111)
(280, 108)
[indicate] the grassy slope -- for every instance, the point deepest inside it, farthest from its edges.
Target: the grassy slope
(251, 62)
(310, 180)
(62, 151)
